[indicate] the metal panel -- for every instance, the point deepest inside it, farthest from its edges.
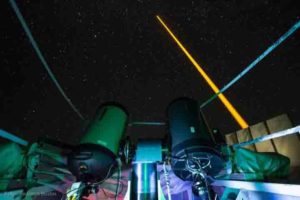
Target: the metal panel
(231, 138)
(276, 188)
(288, 145)
(259, 130)
(250, 195)
(243, 136)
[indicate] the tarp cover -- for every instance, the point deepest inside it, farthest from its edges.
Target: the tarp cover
(269, 165)
(12, 158)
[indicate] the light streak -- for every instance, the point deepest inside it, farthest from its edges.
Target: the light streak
(243, 124)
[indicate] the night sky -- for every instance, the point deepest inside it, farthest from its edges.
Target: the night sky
(108, 50)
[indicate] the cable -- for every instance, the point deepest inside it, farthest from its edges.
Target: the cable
(167, 181)
(106, 177)
(199, 172)
(118, 185)
(94, 184)
(199, 160)
(95, 194)
(119, 175)
(113, 196)
(41, 57)
(216, 197)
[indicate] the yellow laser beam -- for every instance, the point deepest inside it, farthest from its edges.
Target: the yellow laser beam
(213, 86)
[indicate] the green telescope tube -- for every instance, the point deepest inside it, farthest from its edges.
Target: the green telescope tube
(107, 128)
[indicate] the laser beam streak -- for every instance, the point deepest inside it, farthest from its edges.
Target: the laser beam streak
(239, 119)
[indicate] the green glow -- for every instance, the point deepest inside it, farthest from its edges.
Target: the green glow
(145, 179)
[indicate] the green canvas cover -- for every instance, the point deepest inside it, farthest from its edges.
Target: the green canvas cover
(268, 165)
(254, 166)
(12, 157)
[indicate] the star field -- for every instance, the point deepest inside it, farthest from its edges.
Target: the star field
(116, 51)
